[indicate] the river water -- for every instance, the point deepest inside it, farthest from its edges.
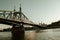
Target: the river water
(48, 34)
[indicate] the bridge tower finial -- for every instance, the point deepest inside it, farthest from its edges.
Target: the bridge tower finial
(20, 11)
(14, 8)
(20, 8)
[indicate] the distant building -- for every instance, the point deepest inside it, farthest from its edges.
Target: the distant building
(43, 24)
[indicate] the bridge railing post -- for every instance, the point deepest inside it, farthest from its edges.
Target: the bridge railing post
(18, 32)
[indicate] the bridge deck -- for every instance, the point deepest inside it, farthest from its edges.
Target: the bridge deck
(11, 22)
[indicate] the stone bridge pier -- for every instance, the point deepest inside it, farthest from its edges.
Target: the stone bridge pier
(18, 32)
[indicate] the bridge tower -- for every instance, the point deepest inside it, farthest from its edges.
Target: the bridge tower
(18, 31)
(20, 12)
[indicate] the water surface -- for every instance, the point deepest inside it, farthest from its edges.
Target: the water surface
(48, 34)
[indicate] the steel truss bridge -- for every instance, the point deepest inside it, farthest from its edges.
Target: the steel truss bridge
(17, 20)
(15, 17)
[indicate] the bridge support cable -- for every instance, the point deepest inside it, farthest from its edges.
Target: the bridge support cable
(4, 14)
(9, 16)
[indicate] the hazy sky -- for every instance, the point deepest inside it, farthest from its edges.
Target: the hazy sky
(45, 11)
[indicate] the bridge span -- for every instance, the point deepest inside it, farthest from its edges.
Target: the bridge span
(17, 19)
(12, 22)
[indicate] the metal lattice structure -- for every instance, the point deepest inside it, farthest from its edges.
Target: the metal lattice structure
(14, 15)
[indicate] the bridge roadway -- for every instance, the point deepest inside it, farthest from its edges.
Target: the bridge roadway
(12, 22)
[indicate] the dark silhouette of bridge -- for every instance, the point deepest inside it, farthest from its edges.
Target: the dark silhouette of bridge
(17, 19)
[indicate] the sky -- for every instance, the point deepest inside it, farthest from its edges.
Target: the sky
(45, 11)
